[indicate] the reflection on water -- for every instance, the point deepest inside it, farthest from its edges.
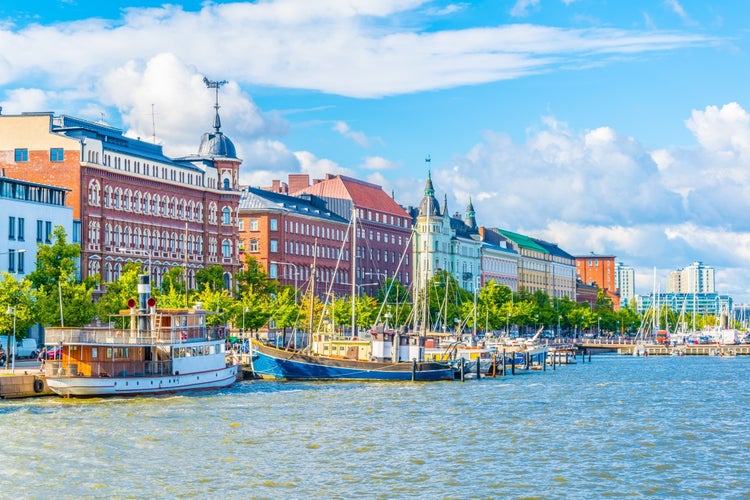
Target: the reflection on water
(618, 426)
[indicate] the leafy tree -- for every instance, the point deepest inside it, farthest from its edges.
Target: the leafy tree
(173, 281)
(395, 299)
(285, 311)
(15, 296)
(173, 298)
(251, 310)
(119, 292)
(254, 276)
(55, 284)
(218, 301)
(211, 276)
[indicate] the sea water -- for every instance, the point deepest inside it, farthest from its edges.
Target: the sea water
(616, 427)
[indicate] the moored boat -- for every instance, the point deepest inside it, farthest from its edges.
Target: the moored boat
(144, 350)
(386, 356)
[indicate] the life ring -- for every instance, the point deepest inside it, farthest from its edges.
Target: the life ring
(38, 385)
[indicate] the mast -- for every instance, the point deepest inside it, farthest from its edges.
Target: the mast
(354, 268)
(312, 293)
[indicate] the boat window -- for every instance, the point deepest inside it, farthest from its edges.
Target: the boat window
(94, 353)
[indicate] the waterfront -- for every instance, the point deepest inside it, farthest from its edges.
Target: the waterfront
(620, 426)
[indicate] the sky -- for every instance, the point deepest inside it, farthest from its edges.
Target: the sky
(615, 127)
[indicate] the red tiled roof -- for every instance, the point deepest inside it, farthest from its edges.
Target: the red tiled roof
(363, 194)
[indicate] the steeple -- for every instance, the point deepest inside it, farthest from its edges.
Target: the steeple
(216, 144)
(470, 216)
(429, 205)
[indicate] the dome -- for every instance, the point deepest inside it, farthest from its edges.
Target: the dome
(216, 144)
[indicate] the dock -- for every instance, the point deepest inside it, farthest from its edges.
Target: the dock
(22, 384)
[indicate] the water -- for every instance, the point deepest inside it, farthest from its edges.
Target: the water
(620, 426)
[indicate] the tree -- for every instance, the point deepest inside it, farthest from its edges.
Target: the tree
(211, 276)
(56, 287)
(396, 301)
(218, 301)
(15, 296)
(285, 311)
(251, 310)
(254, 276)
(119, 292)
(173, 281)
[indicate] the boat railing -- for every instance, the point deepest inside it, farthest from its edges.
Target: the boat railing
(105, 335)
(113, 369)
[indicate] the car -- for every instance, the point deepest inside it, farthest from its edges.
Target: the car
(54, 352)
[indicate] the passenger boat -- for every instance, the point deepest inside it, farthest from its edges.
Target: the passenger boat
(144, 350)
(386, 356)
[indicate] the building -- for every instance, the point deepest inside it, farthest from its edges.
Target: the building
(499, 261)
(30, 212)
(625, 283)
(442, 242)
(542, 266)
(129, 200)
(383, 228)
(288, 234)
(599, 269)
(695, 278)
(686, 304)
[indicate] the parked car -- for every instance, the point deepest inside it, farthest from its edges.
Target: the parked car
(54, 352)
(27, 348)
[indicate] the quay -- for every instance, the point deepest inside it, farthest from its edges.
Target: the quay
(26, 382)
(627, 346)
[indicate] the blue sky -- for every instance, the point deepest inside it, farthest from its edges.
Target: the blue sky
(607, 126)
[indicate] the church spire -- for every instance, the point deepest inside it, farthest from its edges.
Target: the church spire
(471, 215)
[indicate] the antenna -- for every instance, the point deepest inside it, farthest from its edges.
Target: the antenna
(215, 85)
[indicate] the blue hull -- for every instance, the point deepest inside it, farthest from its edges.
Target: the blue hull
(269, 362)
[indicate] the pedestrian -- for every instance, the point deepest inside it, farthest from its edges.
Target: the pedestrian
(42, 357)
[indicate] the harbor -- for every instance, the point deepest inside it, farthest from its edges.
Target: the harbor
(608, 428)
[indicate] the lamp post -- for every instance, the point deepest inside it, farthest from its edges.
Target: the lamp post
(507, 325)
(598, 326)
(536, 318)
(12, 310)
(244, 310)
(295, 274)
(558, 325)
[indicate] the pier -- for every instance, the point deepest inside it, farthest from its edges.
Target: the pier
(627, 346)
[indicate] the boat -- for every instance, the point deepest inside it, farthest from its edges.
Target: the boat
(386, 356)
(143, 350)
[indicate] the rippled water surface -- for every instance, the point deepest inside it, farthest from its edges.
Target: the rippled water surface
(619, 426)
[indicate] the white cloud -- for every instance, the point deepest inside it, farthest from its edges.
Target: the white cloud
(522, 7)
(317, 168)
(354, 48)
(359, 137)
(378, 163)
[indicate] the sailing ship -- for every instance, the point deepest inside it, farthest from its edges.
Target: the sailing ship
(144, 350)
(385, 355)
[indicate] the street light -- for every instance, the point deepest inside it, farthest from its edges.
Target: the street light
(295, 274)
(598, 326)
(244, 310)
(558, 325)
(12, 310)
(536, 318)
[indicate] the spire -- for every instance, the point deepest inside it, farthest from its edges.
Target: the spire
(470, 215)
(428, 189)
(445, 203)
(215, 85)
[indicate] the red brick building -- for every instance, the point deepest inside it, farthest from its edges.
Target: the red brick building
(129, 200)
(287, 234)
(599, 270)
(383, 226)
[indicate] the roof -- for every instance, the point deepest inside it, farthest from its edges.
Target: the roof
(522, 240)
(363, 194)
(260, 199)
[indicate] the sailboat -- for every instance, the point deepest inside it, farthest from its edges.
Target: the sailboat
(386, 356)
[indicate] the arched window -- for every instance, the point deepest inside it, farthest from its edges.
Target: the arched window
(108, 234)
(226, 216)
(107, 197)
(226, 184)
(226, 249)
(94, 193)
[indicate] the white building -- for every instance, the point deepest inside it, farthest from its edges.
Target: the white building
(30, 212)
(695, 278)
(625, 282)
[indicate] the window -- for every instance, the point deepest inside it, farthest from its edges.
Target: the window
(253, 224)
(226, 216)
(11, 228)
(22, 154)
(20, 228)
(39, 230)
(11, 261)
(47, 231)
(254, 246)
(274, 246)
(226, 249)
(273, 271)
(56, 154)
(274, 224)
(21, 255)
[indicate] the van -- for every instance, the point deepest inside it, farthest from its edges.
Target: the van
(25, 348)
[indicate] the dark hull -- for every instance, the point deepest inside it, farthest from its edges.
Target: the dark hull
(269, 362)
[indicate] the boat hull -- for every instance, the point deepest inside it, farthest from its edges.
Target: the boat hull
(272, 363)
(72, 386)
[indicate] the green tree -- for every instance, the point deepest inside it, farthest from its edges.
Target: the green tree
(254, 276)
(55, 284)
(395, 300)
(173, 281)
(16, 304)
(217, 301)
(285, 311)
(211, 276)
(115, 299)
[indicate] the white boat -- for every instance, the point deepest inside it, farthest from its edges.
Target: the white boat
(144, 350)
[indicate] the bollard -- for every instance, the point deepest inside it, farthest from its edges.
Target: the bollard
(461, 366)
(504, 372)
(413, 369)
(544, 362)
(512, 363)
(494, 365)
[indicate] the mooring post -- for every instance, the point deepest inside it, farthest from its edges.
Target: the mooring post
(461, 365)
(413, 369)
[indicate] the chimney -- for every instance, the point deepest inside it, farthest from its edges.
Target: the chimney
(298, 182)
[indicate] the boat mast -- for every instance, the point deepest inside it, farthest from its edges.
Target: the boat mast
(354, 268)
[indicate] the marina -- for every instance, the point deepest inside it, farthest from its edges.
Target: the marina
(620, 426)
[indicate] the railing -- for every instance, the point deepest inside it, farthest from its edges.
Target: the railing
(112, 369)
(105, 335)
